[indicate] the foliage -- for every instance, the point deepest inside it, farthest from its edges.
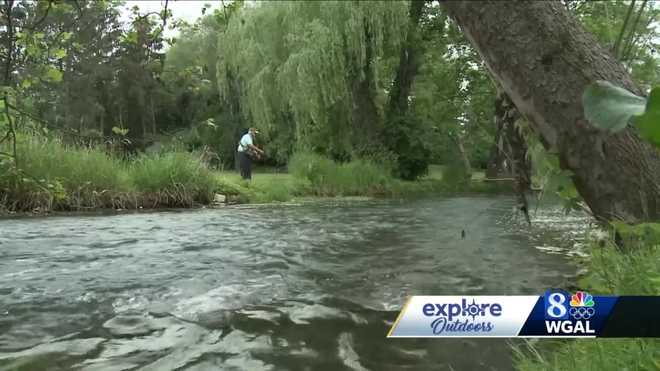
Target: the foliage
(453, 94)
(301, 66)
(629, 268)
(315, 76)
(329, 178)
(547, 174)
(649, 122)
(176, 175)
(57, 176)
(609, 106)
(637, 40)
(610, 271)
(456, 174)
(639, 234)
(407, 137)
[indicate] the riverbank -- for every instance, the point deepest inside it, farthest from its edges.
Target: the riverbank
(280, 187)
(55, 177)
(610, 272)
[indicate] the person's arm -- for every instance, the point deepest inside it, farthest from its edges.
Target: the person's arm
(255, 148)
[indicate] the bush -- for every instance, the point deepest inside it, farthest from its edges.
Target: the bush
(455, 174)
(75, 168)
(406, 137)
(328, 178)
(54, 176)
(177, 178)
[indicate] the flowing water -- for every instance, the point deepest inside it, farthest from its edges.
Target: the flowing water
(311, 286)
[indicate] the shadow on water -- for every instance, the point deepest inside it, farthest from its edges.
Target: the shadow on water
(300, 286)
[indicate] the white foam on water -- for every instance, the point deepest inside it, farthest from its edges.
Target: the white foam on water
(347, 354)
(76, 347)
(302, 314)
(272, 317)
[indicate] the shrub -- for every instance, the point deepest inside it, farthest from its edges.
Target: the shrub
(176, 178)
(328, 178)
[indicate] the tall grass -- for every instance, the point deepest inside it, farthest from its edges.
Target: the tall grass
(634, 272)
(328, 178)
(54, 176)
(175, 178)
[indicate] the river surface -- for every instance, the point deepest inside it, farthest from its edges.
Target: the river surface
(310, 286)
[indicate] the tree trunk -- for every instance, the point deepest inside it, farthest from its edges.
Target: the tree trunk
(458, 139)
(6, 11)
(153, 115)
(544, 60)
(408, 64)
(365, 116)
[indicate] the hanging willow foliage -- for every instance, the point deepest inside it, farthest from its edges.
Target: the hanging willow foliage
(301, 60)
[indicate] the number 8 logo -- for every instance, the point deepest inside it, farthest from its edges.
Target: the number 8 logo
(555, 307)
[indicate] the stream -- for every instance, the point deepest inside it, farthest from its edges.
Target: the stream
(298, 286)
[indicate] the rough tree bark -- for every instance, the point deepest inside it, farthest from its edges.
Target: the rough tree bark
(6, 12)
(409, 62)
(544, 59)
(365, 116)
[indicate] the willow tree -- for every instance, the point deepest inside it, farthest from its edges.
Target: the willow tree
(308, 70)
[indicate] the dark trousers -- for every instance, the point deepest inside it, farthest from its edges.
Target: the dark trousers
(245, 164)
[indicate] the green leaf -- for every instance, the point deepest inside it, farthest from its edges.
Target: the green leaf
(609, 107)
(131, 37)
(119, 131)
(649, 123)
(66, 36)
(53, 75)
(59, 53)
(32, 50)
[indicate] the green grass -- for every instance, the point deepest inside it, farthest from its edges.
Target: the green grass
(54, 176)
(611, 272)
(328, 178)
(175, 178)
(315, 176)
(264, 187)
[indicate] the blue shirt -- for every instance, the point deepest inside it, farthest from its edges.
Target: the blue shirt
(245, 142)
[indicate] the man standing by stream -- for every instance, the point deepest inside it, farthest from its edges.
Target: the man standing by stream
(246, 150)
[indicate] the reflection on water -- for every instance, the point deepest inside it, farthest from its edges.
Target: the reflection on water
(300, 286)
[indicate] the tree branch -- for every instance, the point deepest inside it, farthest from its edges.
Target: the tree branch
(43, 17)
(623, 29)
(631, 36)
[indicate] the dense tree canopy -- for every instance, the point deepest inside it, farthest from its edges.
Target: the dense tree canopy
(318, 76)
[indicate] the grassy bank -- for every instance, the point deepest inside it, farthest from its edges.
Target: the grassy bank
(54, 176)
(316, 176)
(611, 272)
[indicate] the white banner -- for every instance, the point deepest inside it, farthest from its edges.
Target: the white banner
(463, 316)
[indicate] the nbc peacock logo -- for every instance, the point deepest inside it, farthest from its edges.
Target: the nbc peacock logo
(582, 305)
